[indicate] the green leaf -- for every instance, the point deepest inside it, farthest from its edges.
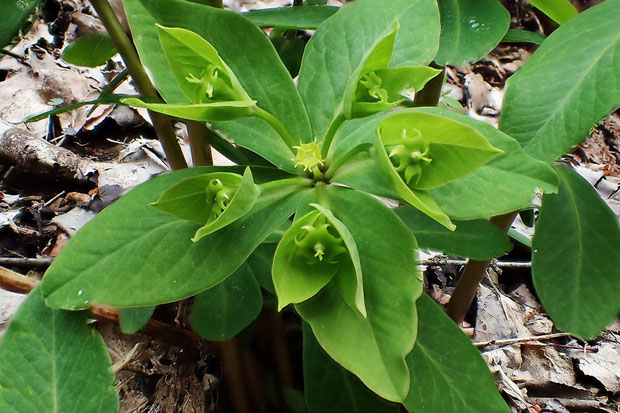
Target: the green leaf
(200, 72)
(568, 85)
(261, 73)
(256, 135)
(470, 29)
(559, 10)
(260, 262)
(523, 36)
(372, 348)
(448, 374)
(201, 112)
(341, 46)
(476, 239)
(291, 18)
(90, 50)
(131, 320)
(504, 184)
(331, 389)
(221, 312)
(132, 255)
(575, 258)
(54, 361)
(14, 16)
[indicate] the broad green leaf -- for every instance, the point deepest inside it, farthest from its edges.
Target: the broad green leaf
(329, 388)
(372, 348)
(470, 29)
(260, 262)
(90, 50)
(341, 46)
(568, 85)
(477, 239)
(520, 36)
(291, 18)
(221, 312)
(575, 257)
(256, 135)
(448, 374)
(229, 206)
(131, 320)
(54, 361)
(261, 73)
(132, 255)
(504, 184)
(14, 16)
(201, 112)
(559, 10)
(200, 72)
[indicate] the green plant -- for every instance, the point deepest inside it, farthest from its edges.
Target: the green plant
(314, 155)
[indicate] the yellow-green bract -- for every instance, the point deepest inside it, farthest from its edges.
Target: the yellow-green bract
(317, 249)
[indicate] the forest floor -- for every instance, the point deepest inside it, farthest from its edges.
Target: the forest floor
(58, 173)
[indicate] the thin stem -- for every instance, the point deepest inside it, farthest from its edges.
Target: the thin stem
(286, 182)
(275, 124)
(200, 143)
(345, 158)
(474, 272)
(329, 137)
(163, 124)
(429, 96)
(230, 356)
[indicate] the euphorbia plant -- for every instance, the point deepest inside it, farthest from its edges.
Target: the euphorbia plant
(328, 152)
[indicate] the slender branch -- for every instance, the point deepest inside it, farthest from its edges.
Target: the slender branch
(429, 96)
(229, 354)
(26, 262)
(15, 282)
(275, 124)
(510, 341)
(163, 124)
(474, 272)
(200, 142)
(439, 261)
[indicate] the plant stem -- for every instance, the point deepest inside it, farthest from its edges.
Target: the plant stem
(474, 272)
(286, 182)
(163, 124)
(230, 356)
(200, 143)
(346, 158)
(429, 96)
(275, 124)
(331, 132)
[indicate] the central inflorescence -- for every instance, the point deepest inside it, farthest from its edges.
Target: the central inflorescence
(309, 157)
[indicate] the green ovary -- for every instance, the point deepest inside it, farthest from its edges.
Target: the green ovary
(409, 156)
(218, 197)
(213, 85)
(372, 82)
(315, 243)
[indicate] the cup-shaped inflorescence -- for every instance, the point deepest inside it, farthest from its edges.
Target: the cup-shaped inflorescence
(316, 250)
(213, 200)
(421, 151)
(212, 89)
